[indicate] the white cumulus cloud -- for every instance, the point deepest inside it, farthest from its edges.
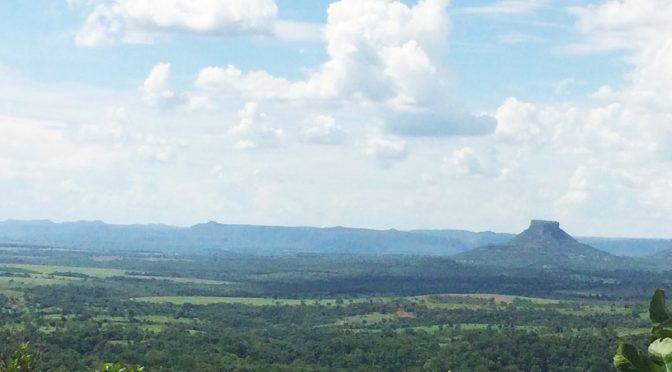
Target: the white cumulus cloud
(382, 54)
(465, 161)
(156, 90)
(253, 129)
(323, 129)
(144, 20)
(385, 149)
(250, 85)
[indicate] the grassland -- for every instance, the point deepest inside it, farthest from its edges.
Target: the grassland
(48, 275)
(473, 301)
(254, 301)
(17, 283)
(51, 269)
(179, 280)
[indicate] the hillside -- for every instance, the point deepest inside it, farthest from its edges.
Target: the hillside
(543, 244)
(631, 247)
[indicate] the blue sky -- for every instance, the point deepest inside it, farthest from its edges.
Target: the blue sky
(462, 114)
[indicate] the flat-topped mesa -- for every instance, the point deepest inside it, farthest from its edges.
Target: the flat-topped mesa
(542, 231)
(544, 224)
(544, 245)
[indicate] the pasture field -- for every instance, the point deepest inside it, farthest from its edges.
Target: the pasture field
(51, 269)
(178, 279)
(457, 301)
(253, 301)
(53, 274)
(17, 283)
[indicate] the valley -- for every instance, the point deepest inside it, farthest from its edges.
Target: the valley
(226, 310)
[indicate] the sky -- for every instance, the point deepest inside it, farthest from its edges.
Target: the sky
(476, 115)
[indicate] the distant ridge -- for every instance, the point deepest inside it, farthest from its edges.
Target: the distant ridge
(320, 240)
(542, 244)
(469, 239)
(281, 239)
(213, 236)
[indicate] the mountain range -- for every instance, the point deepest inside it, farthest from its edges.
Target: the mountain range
(277, 240)
(234, 238)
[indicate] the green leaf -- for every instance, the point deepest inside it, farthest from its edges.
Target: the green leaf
(661, 351)
(657, 311)
(662, 330)
(630, 359)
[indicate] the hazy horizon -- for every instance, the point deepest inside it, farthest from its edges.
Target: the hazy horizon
(474, 115)
(513, 232)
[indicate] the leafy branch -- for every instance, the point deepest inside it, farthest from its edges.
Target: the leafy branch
(21, 361)
(629, 358)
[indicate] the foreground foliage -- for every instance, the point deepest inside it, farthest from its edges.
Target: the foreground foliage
(659, 357)
(20, 360)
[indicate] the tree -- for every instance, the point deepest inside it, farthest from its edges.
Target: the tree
(20, 360)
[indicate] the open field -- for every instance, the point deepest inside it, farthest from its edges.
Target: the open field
(457, 301)
(495, 298)
(179, 280)
(254, 301)
(14, 283)
(49, 274)
(51, 269)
